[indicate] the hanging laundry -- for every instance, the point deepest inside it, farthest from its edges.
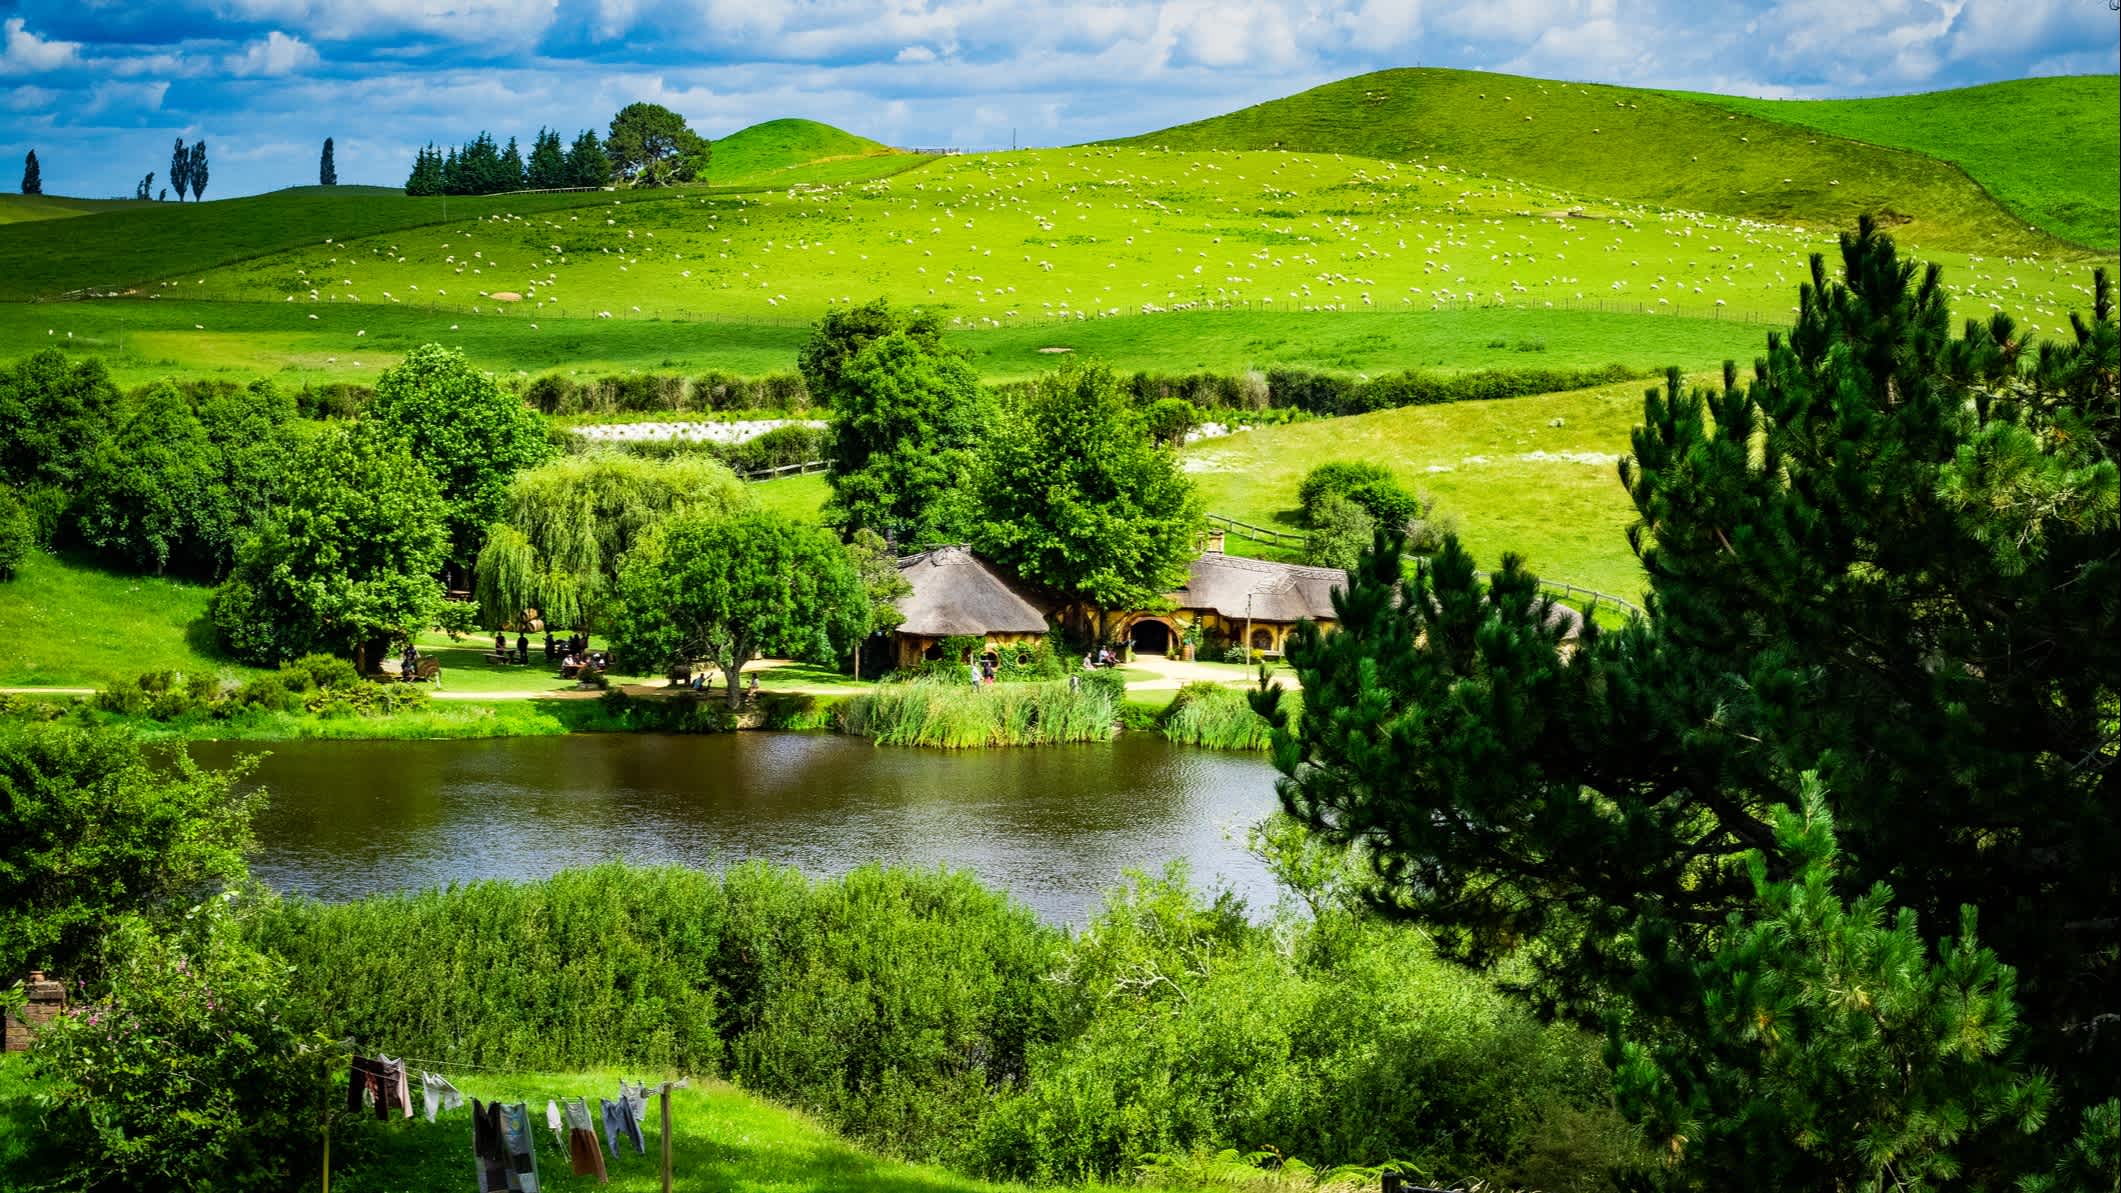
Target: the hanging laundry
(552, 1119)
(488, 1149)
(522, 1150)
(436, 1092)
(381, 1081)
(620, 1123)
(583, 1150)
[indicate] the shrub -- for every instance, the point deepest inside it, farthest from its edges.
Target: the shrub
(1170, 418)
(1388, 504)
(18, 533)
(1341, 531)
(1206, 713)
(182, 1071)
(1337, 478)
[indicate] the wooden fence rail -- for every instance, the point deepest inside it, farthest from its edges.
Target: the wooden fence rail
(807, 466)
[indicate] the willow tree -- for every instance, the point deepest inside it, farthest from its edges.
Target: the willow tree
(568, 524)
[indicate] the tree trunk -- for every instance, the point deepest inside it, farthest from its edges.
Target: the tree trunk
(734, 676)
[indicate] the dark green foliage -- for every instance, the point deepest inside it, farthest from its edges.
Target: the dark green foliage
(178, 1068)
(1074, 495)
(1367, 485)
(1337, 478)
(650, 145)
(1889, 559)
(32, 174)
(153, 500)
(1341, 531)
(54, 417)
(428, 176)
(347, 562)
(1332, 393)
(180, 168)
(907, 417)
(470, 434)
(198, 170)
(18, 533)
(90, 832)
(547, 168)
(511, 168)
(323, 685)
(587, 164)
(327, 169)
(1169, 419)
(556, 393)
(1830, 1050)
(704, 585)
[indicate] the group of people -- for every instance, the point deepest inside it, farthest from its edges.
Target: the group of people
(1103, 656)
(983, 671)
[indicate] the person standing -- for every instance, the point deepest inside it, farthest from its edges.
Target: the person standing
(972, 669)
(523, 649)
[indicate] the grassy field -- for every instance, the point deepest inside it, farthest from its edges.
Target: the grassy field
(1658, 148)
(722, 1139)
(70, 625)
(16, 209)
(2048, 149)
(776, 148)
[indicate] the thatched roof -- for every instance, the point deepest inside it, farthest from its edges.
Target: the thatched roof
(955, 592)
(1276, 591)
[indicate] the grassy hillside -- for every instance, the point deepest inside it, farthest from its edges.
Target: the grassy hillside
(762, 150)
(1627, 144)
(17, 209)
(2049, 149)
(69, 625)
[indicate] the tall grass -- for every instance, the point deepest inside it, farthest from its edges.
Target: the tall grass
(1206, 713)
(953, 716)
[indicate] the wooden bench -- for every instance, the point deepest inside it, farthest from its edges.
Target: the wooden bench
(504, 658)
(425, 669)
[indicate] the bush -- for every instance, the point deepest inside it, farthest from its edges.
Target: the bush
(1341, 531)
(182, 1071)
(1170, 418)
(1337, 478)
(18, 533)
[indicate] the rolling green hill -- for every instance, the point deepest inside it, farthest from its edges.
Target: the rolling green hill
(17, 209)
(757, 153)
(2048, 149)
(1626, 144)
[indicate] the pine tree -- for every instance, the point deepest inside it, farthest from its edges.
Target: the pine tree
(32, 175)
(198, 170)
(547, 169)
(180, 168)
(452, 175)
(1889, 559)
(586, 163)
(327, 170)
(510, 175)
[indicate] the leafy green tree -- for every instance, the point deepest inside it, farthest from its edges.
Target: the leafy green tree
(468, 432)
(1889, 559)
(1341, 531)
(92, 831)
(1169, 420)
(587, 164)
(547, 168)
(906, 420)
(32, 174)
(346, 563)
(180, 1067)
(149, 500)
(18, 533)
(1821, 1045)
(198, 171)
(54, 417)
(882, 584)
(570, 522)
(327, 169)
(1073, 494)
(835, 340)
(145, 188)
(650, 145)
(180, 168)
(726, 589)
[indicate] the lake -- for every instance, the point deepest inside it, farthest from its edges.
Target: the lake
(1056, 826)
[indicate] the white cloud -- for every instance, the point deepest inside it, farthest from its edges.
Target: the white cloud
(24, 53)
(915, 54)
(106, 97)
(275, 54)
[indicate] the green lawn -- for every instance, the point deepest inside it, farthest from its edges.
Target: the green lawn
(2049, 149)
(796, 496)
(1672, 150)
(67, 624)
(722, 1139)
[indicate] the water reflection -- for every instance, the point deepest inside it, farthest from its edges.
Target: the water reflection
(1056, 826)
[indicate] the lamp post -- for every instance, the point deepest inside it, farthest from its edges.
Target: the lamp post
(1248, 627)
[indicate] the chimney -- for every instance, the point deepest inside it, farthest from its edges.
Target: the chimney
(1215, 542)
(46, 998)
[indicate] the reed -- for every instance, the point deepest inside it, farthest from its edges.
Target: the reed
(1220, 718)
(952, 716)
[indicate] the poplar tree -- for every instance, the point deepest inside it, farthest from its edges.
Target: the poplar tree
(180, 168)
(327, 170)
(198, 170)
(32, 175)
(1888, 561)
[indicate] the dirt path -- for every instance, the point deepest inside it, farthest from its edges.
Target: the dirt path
(1177, 673)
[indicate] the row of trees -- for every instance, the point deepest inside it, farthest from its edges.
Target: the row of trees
(187, 169)
(648, 145)
(1824, 843)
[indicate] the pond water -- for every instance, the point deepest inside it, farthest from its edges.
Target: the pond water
(1056, 826)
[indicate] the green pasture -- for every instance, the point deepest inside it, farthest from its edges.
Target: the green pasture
(778, 149)
(1679, 151)
(68, 624)
(2048, 149)
(16, 209)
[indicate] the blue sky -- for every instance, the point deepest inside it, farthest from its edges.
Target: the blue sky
(100, 88)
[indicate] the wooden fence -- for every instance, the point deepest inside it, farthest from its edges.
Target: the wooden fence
(767, 474)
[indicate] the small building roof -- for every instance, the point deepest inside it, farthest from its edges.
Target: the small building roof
(955, 592)
(1236, 588)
